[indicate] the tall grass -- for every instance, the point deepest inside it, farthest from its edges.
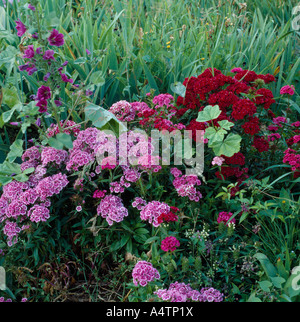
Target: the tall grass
(152, 44)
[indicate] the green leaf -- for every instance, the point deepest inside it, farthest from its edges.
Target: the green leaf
(229, 146)
(6, 116)
(226, 125)
(16, 150)
(10, 97)
(214, 135)
(97, 78)
(100, 117)
(278, 281)
(268, 267)
(209, 113)
(65, 139)
(253, 298)
(265, 286)
(178, 88)
(54, 143)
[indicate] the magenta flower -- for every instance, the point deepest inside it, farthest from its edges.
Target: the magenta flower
(56, 39)
(21, 28)
(143, 273)
(287, 89)
(170, 243)
(224, 217)
(49, 55)
(29, 52)
(236, 70)
(65, 79)
(44, 92)
(31, 7)
(43, 105)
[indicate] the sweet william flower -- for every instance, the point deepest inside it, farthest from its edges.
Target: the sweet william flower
(56, 39)
(287, 89)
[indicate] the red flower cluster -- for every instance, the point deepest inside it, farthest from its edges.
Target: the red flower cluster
(239, 97)
(169, 217)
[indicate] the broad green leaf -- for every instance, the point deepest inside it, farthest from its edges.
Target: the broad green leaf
(225, 124)
(214, 135)
(16, 150)
(178, 88)
(268, 267)
(54, 143)
(265, 285)
(101, 117)
(277, 281)
(208, 113)
(10, 97)
(65, 139)
(229, 146)
(97, 78)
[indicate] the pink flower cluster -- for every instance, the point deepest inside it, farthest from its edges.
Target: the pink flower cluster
(224, 217)
(143, 273)
(287, 89)
(112, 209)
(185, 185)
(178, 292)
(292, 158)
(50, 155)
(123, 111)
(138, 203)
(99, 194)
(209, 294)
(170, 243)
(27, 202)
(152, 210)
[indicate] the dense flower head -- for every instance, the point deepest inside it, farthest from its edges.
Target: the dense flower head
(185, 185)
(178, 292)
(112, 209)
(170, 243)
(242, 108)
(252, 126)
(153, 210)
(261, 144)
(224, 217)
(292, 158)
(144, 273)
(123, 111)
(287, 89)
(50, 155)
(49, 186)
(38, 213)
(209, 294)
(11, 230)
